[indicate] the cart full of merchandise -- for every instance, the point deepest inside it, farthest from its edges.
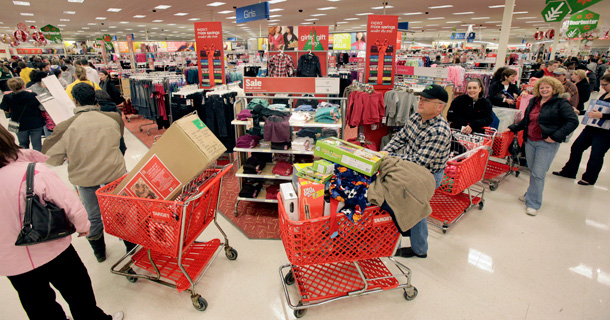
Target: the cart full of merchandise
(167, 232)
(503, 163)
(333, 258)
(461, 188)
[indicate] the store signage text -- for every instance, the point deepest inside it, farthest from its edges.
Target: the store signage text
(253, 12)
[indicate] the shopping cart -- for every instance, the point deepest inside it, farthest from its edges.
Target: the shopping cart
(461, 188)
(330, 265)
(167, 231)
(502, 162)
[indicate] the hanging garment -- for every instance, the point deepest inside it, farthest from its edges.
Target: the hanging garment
(309, 66)
(281, 65)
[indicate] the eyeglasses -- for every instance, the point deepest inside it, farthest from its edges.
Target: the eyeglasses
(604, 84)
(425, 100)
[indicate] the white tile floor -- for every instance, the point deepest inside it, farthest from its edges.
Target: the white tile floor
(497, 263)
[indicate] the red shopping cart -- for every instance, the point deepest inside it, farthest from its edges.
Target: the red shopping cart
(329, 266)
(456, 195)
(167, 230)
(502, 164)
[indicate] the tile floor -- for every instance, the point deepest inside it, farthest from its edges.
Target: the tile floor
(497, 263)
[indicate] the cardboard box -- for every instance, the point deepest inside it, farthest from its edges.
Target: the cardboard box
(184, 151)
(350, 155)
(290, 201)
(323, 167)
(311, 199)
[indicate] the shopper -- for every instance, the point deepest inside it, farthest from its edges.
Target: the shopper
(24, 109)
(584, 89)
(596, 138)
(561, 74)
(91, 73)
(94, 159)
(424, 140)
(32, 269)
(58, 74)
(471, 112)
(66, 75)
(504, 93)
(25, 72)
(71, 69)
(81, 77)
(548, 71)
(107, 86)
(548, 120)
(37, 86)
(107, 105)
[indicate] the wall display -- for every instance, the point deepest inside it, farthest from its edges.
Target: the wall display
(381, 50)
(210, 54)
(313, 38)
(282, 38)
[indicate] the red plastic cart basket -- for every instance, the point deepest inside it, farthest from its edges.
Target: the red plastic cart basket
(496, 166)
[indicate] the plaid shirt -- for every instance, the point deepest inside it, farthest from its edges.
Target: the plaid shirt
(425, 143)
(280, 66)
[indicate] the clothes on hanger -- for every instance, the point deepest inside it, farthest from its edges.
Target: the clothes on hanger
(281, 65)
(309, 66)
(400, 103)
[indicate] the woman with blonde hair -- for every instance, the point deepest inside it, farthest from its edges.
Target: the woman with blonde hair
(81, 76)
(579, 77)
(548, 120)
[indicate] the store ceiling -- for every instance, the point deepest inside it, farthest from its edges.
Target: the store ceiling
(91, 18)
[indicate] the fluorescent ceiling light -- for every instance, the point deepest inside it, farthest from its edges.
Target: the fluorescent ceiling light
(242, 25)
(112, 27)
(410, 22)
(63, 25)
(181, 27)
(387, 7)
(215, 4)
(416, 27)
(92, 24)
(65, 20)
(154, 28)
(85, 28)
(139, 16)
(30, 21)
(114, 9)
(453, 22)
(318, 14)
(412, 13)
(351, 19)
(432, 25)
(124, 22)
(231, 17)
(493, 21)
(21, 3)
(69, 12)
(342, 22)
(314, 19)
(458, 13)
(497, 6)
(100, 18)
(276, 1)
(327, 8)
(275, 20)
(28, 14)
(274, 10)
(520, 12)
(157, 21)
(162, 7)
(437, 18)
(141, 25)
(333, 0)
(230, 11)
(526, 18)
(193, 19)
(307, 23)
(364, 14)
(171, 24)
(537, 21)
(479, 18)
(446, 27)
(76, 1)
(129, 29)
(441, 7)
(275, 16)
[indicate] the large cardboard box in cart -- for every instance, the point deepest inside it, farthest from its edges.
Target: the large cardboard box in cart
(184, 151)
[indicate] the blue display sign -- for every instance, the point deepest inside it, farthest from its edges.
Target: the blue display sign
(470, 37)
(403, 26)
(458, 36)
(253, 12)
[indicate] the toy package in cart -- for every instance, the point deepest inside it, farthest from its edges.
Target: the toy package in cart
(350, 155)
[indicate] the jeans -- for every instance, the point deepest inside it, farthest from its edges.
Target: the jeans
(68, 275)
(89, 199)
(599, 141)
(33, 135)
(539, 156)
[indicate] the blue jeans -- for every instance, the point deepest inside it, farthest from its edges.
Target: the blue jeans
(32, 135)
(539, 156)
(89, 199)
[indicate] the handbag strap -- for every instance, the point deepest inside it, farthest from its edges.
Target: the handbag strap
(29, 194)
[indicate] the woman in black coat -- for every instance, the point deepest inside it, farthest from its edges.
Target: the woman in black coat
(579, 77)
(110, 88)
(505, 93)
(25, 109)
(471, 112)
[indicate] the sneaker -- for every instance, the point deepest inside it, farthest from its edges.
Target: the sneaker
(118, 316)
(522, 198)
(407, 252)
(531, 211)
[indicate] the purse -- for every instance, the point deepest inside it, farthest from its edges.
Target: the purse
(41, 223)
(13, 126)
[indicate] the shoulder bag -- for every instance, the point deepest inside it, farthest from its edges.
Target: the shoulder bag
(13, 126)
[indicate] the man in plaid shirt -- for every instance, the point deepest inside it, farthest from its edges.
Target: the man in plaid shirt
(425, 140)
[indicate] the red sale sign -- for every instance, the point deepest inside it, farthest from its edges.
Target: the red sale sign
(381, 50)
(210, 53)
(313, 38)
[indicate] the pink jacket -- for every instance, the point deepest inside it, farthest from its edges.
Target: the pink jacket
(48, 186)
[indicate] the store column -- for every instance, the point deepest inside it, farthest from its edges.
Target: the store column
(507, 20)
(555, 46)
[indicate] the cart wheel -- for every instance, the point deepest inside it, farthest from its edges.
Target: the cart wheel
(289, 278)
(300, 313)
(444, 230)
(481, 205)
(517, 173)
(493, 187)
(410, 297)
(132, 279)
(231, 254)
(199, 303)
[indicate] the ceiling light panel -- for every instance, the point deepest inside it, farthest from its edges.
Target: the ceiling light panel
(275, 16)
(453, 22)
(76, 1)
(64, 20)
(21, 3)
(276, 1)
(460, 13)
(157, 21)
(231, 17)
(351, 19)
(114, 9)
(229, 11)
(30, 21)
(27, 14)
(100, 18)
(318, 14)
(342, 22)
(520, 12)
(364, 14)
(162, 7)
(378, 8)
(124, 22)
(139, 16)
(314, 19)
(92, 24)
(437, 18)
(69, 12)
(497, 6)
(215, 4)
(441, 7)
(479, 18)
(274, 10)
(193, 19)
(327, 8)
(412, 13)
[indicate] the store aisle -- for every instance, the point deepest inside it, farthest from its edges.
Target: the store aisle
(497, 263)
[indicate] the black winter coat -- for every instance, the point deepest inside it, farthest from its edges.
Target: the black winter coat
(109, 106)
(496, 96)
(557, 119)
(464, 111)
(584, 93)
(309, 66)
(112, 90)
(24, 108)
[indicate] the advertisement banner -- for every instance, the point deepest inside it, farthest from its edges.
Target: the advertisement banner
(342, 41)
(210, 54)
(132, 56)
(296, 85)
(52, 33)
(313, 38)
(359, 41)
(380, 50)
(282, 38)
(150, 46)
(252, 12)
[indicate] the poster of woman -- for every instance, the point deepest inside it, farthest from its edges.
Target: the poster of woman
(291, 40)
(276, 39)
(359, 41)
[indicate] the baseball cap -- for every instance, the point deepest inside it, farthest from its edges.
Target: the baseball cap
(434, 91)
(560, 71)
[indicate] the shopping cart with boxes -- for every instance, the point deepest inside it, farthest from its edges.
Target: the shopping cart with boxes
(167, 232)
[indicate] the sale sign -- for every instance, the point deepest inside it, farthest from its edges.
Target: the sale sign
(313, 38)
(381, 50)
(210, 53)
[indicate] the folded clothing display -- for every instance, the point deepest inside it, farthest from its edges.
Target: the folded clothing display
(303, 158)
(307, 133)
(250, 189)
(312, 102)
(328, 133)
(247, 141)
(244, 115)
(254, 165)
(303, 144)
(278, 107)
(252, 104)
(272, 191)
(327, 114)
(300, 117)
(277, 129)
(280, 145)
(305, 107)
(283, 168)
(277, 157)
(325, 104)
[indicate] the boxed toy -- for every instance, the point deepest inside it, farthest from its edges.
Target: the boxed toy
(350, 155)
(311, 199)
(290, 201)
(323, 167)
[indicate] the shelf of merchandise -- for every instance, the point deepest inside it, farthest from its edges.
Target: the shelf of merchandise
(262, 197)
(269, 150)
(266, 173)
(310, 124)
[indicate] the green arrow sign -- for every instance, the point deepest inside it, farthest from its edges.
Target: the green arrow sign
(51, 33)
(555, 11)
(582, 22)
(577, 5)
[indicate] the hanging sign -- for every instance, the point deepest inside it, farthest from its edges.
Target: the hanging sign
(423, 71)
(555, 11)
(296, 85)
(252, 12)
(208, 36)
(577, 5)
(313, 38)
(582, 22)
(342, 41)
(458, 36)
(52, 33)
(380, 50)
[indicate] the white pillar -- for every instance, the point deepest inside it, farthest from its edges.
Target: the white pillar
(507, 20)
(557, 27)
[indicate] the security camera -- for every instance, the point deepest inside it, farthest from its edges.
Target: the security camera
(154, 10)
(300, 10)
(427, 12)
(102, 23)
(234, 7)
(480, 25)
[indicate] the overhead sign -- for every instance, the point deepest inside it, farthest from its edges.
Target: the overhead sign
(252, 12)
(577, 5)
(52, 33)
(458, 36)
(555, 11)
(313, 38)
(210, 53)
(423, 71)
(342, 41)
(403, 26)
(381, 50)
(470, 37)
(582, 22)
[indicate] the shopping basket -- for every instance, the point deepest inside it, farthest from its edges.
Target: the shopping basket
(328, 266)
(167, 230)
(456, 195)
(502, 162)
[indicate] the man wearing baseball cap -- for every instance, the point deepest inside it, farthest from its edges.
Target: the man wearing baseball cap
(561, 75)
(426, 141)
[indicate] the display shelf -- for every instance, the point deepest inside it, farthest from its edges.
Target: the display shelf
(269, 150)
(267, 173)
(260, 198)
(310, 124)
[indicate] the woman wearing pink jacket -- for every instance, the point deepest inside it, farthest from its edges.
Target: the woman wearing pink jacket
(32, 269)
